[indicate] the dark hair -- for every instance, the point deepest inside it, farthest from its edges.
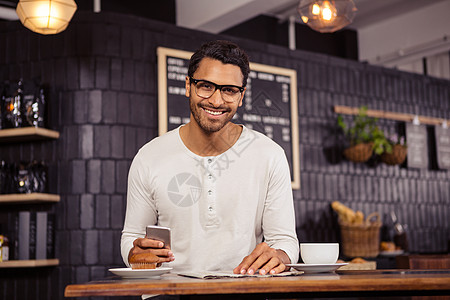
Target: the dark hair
(224, 51)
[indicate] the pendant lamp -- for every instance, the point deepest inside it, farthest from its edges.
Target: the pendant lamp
(46, 16)
(327, 15)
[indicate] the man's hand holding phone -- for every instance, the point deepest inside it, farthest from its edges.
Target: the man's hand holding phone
(156, 241)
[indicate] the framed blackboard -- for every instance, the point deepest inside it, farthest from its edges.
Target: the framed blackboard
(416, 136)
(270, 102)
(442, 146)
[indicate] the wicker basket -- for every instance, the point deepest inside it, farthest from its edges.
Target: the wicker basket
(396, 157)
(361, 240)
(359, 153)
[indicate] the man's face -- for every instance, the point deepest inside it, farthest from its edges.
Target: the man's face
(213, 113)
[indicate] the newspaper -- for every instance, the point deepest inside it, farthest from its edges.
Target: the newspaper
(219, 275)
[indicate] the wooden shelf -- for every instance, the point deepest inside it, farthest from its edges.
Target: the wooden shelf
(28, 198)
(347, 110)
(29, 263)
(27, 134)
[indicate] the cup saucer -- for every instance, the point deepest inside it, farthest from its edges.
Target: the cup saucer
(316, 268)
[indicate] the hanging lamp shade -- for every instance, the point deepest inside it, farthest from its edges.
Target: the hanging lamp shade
(327, 15)
(46, 16)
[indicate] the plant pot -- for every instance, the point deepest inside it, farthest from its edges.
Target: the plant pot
(359, 153)
(396, 157)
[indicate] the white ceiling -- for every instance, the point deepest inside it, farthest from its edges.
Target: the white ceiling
(389, 31)
(218, 15)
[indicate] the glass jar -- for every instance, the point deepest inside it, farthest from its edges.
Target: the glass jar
(4, 248)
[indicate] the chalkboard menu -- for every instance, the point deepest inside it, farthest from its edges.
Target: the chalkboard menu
(416, 137)
(442, 147)
(270, 102)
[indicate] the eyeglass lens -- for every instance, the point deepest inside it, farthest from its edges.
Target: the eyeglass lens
(206, 89)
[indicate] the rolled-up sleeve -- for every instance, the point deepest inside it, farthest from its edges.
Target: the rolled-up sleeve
(279, 215)
(140, 210)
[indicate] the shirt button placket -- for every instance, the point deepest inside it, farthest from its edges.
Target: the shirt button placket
(211, 204)
(209, 169)
(210, 190)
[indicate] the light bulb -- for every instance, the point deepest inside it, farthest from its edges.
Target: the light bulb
(328, 11)
(46, 16)
(326, 14)
(315, 9)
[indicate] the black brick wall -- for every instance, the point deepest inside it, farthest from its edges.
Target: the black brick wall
(103, 100)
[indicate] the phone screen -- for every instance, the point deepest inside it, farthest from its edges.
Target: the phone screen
(159, 233)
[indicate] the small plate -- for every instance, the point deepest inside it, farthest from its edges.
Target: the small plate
(392, 253)
(139, 273)
(316, 268)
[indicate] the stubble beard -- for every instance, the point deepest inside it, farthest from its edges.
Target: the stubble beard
(207, 125)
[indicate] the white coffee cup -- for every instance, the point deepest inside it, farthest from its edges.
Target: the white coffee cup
(319, 253)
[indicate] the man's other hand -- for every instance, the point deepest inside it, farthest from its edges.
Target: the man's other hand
(268, 260)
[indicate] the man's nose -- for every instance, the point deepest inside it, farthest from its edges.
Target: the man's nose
(216, 98)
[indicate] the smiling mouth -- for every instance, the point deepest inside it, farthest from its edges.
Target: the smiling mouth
(214, 113)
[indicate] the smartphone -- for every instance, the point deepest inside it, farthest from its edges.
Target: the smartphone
(159, 233)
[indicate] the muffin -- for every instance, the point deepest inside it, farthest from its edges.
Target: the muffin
(143, 261)
(387, 246)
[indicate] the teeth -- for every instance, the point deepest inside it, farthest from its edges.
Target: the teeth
(215, 113)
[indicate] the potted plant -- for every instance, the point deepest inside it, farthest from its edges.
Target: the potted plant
(364, 137)
(397, 154)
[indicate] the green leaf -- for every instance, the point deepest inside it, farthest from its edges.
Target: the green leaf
(364, 129)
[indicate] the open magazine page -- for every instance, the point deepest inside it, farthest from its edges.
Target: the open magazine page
(217, 274)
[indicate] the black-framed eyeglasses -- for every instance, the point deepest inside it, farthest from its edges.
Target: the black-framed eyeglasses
(205, 89)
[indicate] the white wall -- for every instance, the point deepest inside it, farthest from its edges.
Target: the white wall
(403, 41)
(217, 15)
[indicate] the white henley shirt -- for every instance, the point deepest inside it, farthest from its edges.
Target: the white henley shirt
(219, 207)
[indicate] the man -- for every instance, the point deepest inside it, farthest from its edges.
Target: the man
(221, 187)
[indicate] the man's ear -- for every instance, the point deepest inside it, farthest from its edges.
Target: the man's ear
(188, 87)
(242, 98)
